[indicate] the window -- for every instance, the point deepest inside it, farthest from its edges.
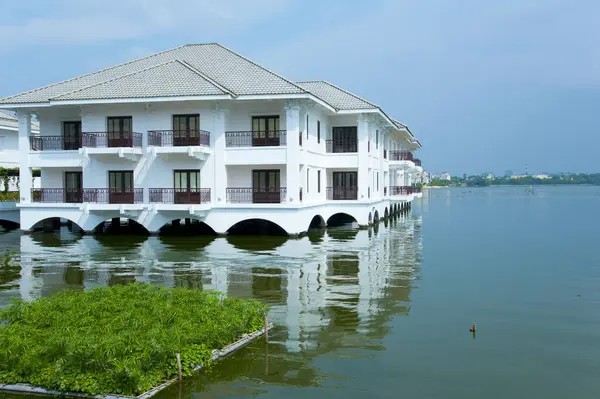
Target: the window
(376, 139)
(265, 131)
(307, 179)
(71, 135)
(186, 130)
(119, 131)
(318, 131)
(307, 126)
(318, 181)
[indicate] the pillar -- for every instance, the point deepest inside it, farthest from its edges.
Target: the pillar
(292, 125)
(219, 190)
(25, 175)
(364, 180)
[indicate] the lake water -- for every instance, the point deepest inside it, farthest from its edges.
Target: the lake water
(383, 313)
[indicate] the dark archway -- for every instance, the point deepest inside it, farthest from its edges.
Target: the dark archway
(317, 222)
(8, 225)
(340, 219)
(370, 218)
(376, 217)
(55, 223)
(187, 227)
(120, 226)
(385, 213)
(256, 227)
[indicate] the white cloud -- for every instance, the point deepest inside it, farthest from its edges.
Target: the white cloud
(67, 22)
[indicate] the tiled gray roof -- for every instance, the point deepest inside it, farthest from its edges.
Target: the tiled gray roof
(9, 120)
(172, 78)
(338, 98)
(217, 63)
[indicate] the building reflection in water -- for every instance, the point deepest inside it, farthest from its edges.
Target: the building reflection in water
(329, 291)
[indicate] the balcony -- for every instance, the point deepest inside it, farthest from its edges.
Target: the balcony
(342, 193)
(417, 162)
(111, 140)
(401, 190)
(417, 190)
(89, 195)
(179, 196)
(256, 196)
(178, 138)
(401, 155)
(53, 143)
(341, 146)
(272, 138)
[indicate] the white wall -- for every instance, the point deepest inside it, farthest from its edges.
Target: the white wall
(9, 148)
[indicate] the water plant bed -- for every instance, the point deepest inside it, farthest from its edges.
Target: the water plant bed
(121, 341)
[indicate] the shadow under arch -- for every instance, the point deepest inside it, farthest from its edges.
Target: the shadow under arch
(376, 217)
(340, 219)
(254, 227)
(386, 213)
(317, 222)
(120, 226)
(186, 227)
(8, 225)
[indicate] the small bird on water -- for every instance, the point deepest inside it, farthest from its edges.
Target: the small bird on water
(473, 328)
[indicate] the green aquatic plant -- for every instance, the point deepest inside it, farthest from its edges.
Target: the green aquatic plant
(120, 339)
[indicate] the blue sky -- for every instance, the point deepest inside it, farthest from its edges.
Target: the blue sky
(485, 85)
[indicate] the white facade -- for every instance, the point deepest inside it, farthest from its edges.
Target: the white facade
(318, 160)
(9, 147)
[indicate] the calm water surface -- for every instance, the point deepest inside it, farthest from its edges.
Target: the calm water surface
(381, 313)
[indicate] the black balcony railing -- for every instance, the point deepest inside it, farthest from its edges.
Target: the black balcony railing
(178, 138)
(401, 155)
(300, 139)
(256, 195)
(385, 191)
(384, 153)
(342, 193)
(417, 161)
(179, 195)
(416, 189)
(341, 146)
(57, 195)
(53, 143)
(113, 195)
(272, 138)
(111, 140)
(401, 190)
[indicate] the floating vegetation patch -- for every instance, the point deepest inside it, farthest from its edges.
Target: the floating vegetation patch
(119, 340)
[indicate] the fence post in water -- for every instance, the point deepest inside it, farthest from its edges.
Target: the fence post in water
(266, 328)
(179, 374)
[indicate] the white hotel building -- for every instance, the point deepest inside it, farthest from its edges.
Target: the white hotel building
(199, 132)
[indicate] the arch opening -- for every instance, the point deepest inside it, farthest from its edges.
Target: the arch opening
(55, 223)
(317, 222)
(385, 213)
(370, 218)
(8, 225)
(120, 226)
(376, 217)
(256, 227)
(341, 219)
(187, 226)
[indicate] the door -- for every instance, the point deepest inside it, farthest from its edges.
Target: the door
(119, 131)
(345, 185)
(71, 135)
(120, 187)
(266, 187)
(265, 131)
(186, 130)
(345, 139)
(73, 187)
(187, 187)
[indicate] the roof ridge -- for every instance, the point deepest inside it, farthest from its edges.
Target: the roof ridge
(115, 78)
(92, 73)
(347, 92)
(262, 67)
(208, 78)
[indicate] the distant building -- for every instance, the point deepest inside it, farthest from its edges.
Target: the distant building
(543, 177)
(489, 176)
(446, 176)
(508, 173)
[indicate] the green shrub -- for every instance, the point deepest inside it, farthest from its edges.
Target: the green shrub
(119, 340)
(11, 196)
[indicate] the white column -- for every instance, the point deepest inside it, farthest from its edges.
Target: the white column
(292, 125)
(25, 176)
(218, 155)
(381, 182)
(364, 180)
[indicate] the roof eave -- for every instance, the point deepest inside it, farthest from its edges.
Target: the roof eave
(14, 106)
(140, 100)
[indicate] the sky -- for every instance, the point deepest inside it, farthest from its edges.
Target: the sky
(484, 85)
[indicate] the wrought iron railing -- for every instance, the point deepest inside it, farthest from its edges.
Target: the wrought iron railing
(57, 195)
(179, 195)
(113, 195)
(384, 153)
(401, 155)
(53, 143)
(264, 195)
(385, 191)
(342, 193)
(341, 146)
(178, 138)
(417, 161)
(111, 140)
(271, 138)
(401, 190)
